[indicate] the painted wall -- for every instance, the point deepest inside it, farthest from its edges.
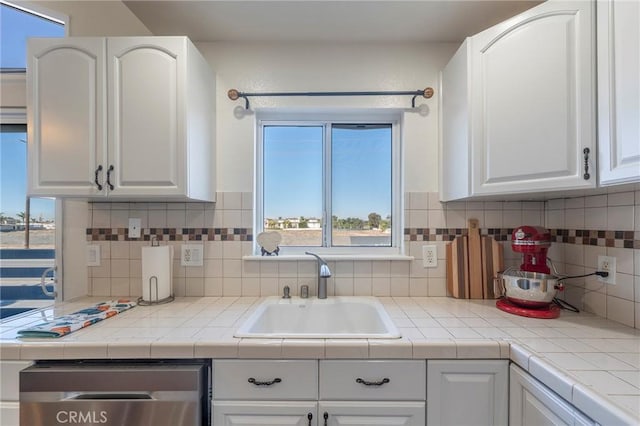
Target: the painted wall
(97, 18)
(255, 67)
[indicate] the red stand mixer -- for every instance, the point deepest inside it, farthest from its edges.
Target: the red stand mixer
(530, 290)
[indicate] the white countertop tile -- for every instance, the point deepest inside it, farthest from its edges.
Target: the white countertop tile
(590, 361)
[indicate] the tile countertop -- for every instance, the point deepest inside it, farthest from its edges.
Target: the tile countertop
(592, 362)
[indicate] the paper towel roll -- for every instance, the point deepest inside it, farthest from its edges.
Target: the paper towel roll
(157, 262)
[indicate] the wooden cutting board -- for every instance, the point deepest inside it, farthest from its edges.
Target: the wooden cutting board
(458, 268)
(475, 261)
(492, 263)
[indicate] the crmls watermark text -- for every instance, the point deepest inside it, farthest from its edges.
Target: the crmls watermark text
(81, 417)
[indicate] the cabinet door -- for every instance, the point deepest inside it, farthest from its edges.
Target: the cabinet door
(532, 404)
(533, 101)
(379, 413)
(470, 392)
(618, 91)
(146, 115)
(264, 413)
(65, 115)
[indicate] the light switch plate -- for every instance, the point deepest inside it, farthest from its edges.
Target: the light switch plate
(191, 255)
(134, 227)
(93, 255)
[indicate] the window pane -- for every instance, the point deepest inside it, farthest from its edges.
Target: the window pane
(13, 189)
(293, 183)
(15, 27)
(361, 184)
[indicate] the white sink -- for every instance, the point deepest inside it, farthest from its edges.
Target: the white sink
(332, 318)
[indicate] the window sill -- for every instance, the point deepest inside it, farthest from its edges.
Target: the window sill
(333, 257)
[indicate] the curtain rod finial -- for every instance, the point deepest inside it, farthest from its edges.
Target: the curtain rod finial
(233, 94)
(428, 92)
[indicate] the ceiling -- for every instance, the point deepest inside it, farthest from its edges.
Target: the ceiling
(325, 21)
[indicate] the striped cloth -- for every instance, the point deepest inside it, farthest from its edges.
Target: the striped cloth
(67, 324)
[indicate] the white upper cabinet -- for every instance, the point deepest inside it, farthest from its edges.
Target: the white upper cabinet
(618, 91)
(66, 115)
(127, 117)
(518, 106)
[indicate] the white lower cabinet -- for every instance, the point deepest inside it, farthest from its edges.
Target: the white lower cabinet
(533, 404)
(325, 393)
(10, 391)
(265, 392)
(467, 392)
(379, 413)
(372, 392)
(265, 413)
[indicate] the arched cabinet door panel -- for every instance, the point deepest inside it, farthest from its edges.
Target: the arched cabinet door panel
(618, 91)
(146, 89)
(533, 102)
(66, 115)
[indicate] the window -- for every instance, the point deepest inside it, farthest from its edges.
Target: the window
(25, 222)
(18, 24)
(27, 225)
(330, 185)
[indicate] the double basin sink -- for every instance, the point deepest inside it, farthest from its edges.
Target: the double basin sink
(332, 318)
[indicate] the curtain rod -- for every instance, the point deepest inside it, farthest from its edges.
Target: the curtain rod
(235, 94)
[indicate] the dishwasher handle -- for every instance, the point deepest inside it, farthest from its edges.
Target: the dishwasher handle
(110, 396)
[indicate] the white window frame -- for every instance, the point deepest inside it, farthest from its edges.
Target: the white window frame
(325, 119)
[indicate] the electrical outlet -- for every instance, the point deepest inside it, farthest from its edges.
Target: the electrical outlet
(429, 257)
(134, 227)
(607, 264)
(93, 255)
(191, 255)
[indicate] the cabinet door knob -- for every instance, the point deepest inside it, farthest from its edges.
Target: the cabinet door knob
(325, 416)
(109, 177)
(309, 417)
(98, 170)
(269, 383)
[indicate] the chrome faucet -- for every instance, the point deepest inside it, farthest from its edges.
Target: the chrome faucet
(323, 273)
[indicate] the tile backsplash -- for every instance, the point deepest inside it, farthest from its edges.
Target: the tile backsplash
(582, 227)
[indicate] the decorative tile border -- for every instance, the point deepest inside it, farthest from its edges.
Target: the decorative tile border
(171, 234)
(620, 239)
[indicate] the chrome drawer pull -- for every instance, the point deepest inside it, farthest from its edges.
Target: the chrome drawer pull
(257, 383)
(380, 383)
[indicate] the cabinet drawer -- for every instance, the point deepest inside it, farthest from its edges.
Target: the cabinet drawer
(373, 380)
(247, 379)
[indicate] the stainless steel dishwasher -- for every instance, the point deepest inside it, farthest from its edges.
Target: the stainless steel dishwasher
(123, 393)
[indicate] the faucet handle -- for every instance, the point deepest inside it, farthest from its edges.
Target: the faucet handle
(286, 291)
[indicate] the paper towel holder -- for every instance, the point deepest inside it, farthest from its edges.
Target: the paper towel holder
(143, 302)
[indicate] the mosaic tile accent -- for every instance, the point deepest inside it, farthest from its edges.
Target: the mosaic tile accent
(171, 234)
(619, 239)
(590, 237)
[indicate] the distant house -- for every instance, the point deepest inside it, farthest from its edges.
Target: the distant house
(292, 223)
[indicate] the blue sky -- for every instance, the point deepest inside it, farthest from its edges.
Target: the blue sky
(361, 177)
(15, 27)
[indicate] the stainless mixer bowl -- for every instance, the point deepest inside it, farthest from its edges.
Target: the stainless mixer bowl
(529, 289)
